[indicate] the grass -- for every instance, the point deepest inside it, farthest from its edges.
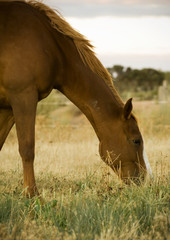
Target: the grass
(85, 210)
(81, 196)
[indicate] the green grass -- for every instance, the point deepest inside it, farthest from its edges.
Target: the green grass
(88, 209)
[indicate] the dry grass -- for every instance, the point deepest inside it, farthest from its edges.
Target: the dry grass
(86, 195)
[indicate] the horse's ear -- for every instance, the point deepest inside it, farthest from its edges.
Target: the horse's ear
(128, 109)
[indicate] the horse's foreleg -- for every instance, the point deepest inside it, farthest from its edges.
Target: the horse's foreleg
(24, 109)
(6, 123)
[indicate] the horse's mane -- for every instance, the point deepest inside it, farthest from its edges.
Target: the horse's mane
(83, 45)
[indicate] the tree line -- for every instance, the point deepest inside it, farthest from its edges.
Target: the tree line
(142, 83)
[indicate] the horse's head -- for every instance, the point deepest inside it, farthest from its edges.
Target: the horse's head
(122, 147)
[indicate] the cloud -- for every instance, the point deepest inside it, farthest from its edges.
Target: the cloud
(121, 2)
(125, 8)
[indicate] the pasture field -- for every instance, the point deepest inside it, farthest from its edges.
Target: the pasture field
(81, 198)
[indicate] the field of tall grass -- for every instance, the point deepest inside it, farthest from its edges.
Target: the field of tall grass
(81, 198)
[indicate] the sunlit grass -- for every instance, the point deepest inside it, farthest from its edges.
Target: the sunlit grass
(88, 209)
(81, 198)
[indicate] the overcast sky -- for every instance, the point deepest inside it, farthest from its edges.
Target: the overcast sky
(133, 33)
(93, 8)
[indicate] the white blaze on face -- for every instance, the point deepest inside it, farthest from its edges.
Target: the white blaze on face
(148, 167)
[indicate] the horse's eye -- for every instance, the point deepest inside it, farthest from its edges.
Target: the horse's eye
(136, 141)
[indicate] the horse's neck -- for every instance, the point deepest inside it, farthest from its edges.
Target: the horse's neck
(86, 89)
(92, 96)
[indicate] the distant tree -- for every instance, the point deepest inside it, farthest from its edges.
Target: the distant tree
(116, 71)
(134, 80)
(167, 77)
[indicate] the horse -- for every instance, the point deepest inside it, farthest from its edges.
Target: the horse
(40, 51)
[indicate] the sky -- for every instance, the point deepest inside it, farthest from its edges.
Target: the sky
(133, 33)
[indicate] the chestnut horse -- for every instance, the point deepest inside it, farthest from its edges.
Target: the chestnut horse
(40, 51)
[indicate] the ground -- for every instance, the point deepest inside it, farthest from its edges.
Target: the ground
(81, 198)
